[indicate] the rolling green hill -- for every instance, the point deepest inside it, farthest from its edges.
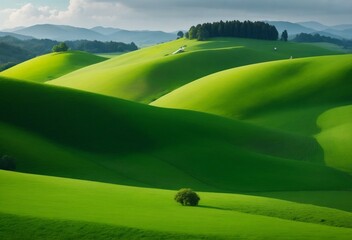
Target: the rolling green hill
(83, 209)
(272, 160)
(150, 73)
(106, 139)
(336, 137)
(51, 66)
(288, 94)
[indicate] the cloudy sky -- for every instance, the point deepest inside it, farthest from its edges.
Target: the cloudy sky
(168, 15)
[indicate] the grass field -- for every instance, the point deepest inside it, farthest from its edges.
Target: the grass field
(264, 139)
(51, 66)
(150, 73)
(153, 210)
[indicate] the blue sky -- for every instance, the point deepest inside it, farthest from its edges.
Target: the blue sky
(168, 15)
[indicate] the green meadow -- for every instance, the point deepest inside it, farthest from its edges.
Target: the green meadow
(102, 145)
(152, 210)
(150, 73)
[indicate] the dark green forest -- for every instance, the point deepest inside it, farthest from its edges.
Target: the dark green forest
(14, 51)
(246, 29)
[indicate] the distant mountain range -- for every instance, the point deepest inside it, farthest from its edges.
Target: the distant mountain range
(67, 33)
(338, 31)
(15, 35)
(145, 38)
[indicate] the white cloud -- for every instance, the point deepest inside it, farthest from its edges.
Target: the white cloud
(175, 14)
(79, 13)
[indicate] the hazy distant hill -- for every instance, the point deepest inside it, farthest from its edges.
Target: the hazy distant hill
(142, 37)
(313, 25)
(65, 33)
(60, 33)
(346, 33)
(105, 30)
(338, 31)
(292, 28)
(342, 26)
(18, 36)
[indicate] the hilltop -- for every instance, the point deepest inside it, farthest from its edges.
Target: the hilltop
(56, 65)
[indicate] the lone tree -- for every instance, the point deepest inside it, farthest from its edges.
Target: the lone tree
(7, 163)
(61, 47)
(180, 34)
(284, 36)
(187, 197)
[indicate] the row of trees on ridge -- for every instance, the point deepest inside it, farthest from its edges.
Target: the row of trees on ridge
(246, 29)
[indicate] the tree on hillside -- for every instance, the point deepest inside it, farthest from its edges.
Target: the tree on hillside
(187, 197)
(192, 33)
(180, 34)
(61, 47)
(7, 163)
(284, 36)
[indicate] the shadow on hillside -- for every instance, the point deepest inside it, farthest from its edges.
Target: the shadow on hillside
(212, 207)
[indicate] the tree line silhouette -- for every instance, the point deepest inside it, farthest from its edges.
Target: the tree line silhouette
(246, 29)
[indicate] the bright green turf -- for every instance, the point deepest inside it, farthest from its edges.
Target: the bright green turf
(288, 95)
(152, 210)
(51, 66)
(44, 229)
(336, 137)
(149, 73)
(63, 132)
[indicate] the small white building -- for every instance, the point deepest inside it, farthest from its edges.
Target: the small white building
(180, 50)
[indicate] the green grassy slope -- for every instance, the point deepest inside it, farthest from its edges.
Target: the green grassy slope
(149, 73)
(288, 95)
(88, 206)
(62, 132)
(51, 66)
(336, 137)
(332, 199)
